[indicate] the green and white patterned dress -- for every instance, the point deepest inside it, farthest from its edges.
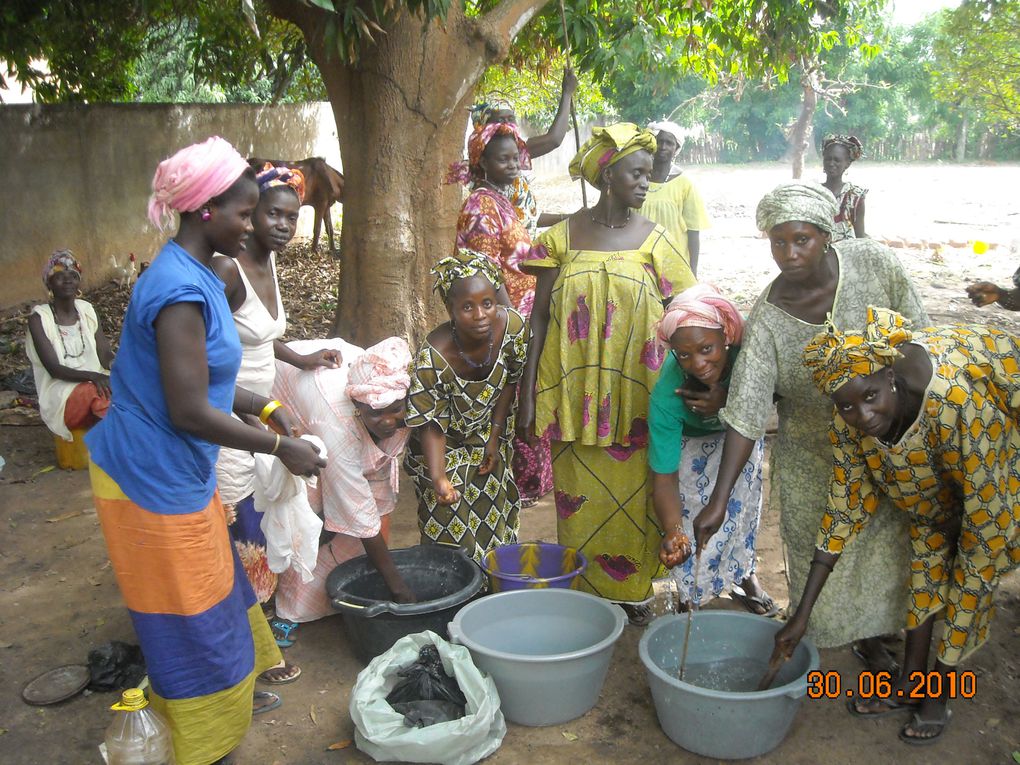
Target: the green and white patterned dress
(487, 513)
(868, 593)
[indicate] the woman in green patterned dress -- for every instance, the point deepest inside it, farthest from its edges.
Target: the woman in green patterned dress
(460, 409)
(931, 419)
(818, 279)
(603, 275)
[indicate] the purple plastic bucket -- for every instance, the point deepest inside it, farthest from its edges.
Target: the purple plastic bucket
(532, 566)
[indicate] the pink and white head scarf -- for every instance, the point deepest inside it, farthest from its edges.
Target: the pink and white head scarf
(378, 377)
(192, 177)
(701, 306)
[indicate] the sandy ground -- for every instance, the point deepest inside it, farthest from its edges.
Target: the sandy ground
(58, 597)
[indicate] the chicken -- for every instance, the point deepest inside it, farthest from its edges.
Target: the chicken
(123, 275)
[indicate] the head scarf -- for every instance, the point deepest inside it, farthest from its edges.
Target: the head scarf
(379, 376)
(835, 358)
(701, 306)
(482, 135)
(465, 264)
(607, 146)
(192, 177)
(269, 177)
(796, 200)
(669, 127)
(481, 111)
(851, 142)
(60, 260)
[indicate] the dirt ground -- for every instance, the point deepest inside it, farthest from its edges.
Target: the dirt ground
(58, 597)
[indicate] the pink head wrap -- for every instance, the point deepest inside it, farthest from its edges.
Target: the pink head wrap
(378, 377)
(192, 177)
(701, 306)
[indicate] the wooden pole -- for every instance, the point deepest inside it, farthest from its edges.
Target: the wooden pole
(573, 113)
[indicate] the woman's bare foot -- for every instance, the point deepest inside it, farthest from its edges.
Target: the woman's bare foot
(927, 724)
(876, 656)
(281, 674)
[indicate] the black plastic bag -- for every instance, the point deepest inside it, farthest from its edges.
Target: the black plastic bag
(115, 666)
(426, 681)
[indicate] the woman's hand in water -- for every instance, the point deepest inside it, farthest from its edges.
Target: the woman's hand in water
(789, 637)
(675, 548)
(404, 595)
(445, 493)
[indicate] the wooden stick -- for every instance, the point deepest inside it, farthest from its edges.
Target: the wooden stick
(573, 113)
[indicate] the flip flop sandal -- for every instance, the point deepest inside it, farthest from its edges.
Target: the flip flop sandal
(281, 632)
(893, 668)
(272, 702)
(638, 615)
(888, 706)
(762, 605)
(290, 672)
(917, 723)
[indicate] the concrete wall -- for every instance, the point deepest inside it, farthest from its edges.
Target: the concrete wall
(79, 176)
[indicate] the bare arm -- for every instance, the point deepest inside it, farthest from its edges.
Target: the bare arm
(859, 220)
(790, 635)
(433, 443)
(539, 327)
(184, 371)
(550, 141)
(227, 270)
(693, 249)
(500, 412)
(669, 508)
(551, 219)
(379, 556)
(325, 358)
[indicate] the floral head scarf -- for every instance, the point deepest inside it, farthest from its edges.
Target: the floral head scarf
(851, 142)
(465, 264)
(269, 177)
(796, 200)
(482, 111)
(60, 260)
(379, 376)
(835, 358)
(607, 146)
(701, 306)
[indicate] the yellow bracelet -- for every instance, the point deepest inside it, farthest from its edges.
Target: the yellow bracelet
(268, 409)
(276, 445)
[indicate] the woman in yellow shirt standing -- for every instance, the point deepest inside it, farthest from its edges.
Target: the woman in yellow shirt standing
(672, 200)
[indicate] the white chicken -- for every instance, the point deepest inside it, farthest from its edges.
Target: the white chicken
(123, 275)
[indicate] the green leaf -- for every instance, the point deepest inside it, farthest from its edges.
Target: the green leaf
(326, 5)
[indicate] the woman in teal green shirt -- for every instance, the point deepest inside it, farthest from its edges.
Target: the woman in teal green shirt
(702, 329)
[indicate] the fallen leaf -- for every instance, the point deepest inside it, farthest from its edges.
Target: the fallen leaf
(64, 516)
(1016, 756)
(992, 722)
(569, 736)
(339, 745)
(311, 713)
(5, 644)
(47, 469)
(94, 581)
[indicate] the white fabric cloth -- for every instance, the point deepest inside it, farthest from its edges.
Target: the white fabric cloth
(290, 525)
(53, 393)
(235, 469)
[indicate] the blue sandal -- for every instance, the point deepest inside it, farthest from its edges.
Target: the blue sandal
(282, 630)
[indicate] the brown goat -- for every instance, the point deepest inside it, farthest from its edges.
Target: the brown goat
(324, 187)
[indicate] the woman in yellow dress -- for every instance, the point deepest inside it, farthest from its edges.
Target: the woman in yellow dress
(932, 420)
(603, 275)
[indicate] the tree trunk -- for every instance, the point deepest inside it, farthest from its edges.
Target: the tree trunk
(961, 139)
(400, 115)
(798, 138)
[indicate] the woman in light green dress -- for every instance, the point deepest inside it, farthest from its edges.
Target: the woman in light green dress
(867, 596)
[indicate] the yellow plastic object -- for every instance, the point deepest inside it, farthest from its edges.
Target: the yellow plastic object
(72, 455)
(131, 700)
(980, 248)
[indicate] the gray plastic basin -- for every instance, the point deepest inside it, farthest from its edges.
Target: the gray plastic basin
(729, 651)
(548, 651)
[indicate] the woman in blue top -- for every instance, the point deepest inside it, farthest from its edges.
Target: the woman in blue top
(703, 330)
(153, 458)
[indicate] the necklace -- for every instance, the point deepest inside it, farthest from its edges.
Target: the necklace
(611, 225)
(467, 359)
(895, 430)
(63, 344)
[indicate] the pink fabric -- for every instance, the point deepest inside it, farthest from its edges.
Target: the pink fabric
(481, 136)
(192, 177)
(701, 306)
(378, 377)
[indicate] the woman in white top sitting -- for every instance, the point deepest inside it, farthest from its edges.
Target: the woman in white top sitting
(254, 298)
(70, 355)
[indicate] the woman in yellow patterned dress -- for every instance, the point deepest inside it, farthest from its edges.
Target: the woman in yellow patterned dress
(931, 419)
(603, 275)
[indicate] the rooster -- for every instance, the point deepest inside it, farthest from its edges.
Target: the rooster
(123, 275)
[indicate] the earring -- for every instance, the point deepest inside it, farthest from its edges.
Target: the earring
(894, 386)
(79, 293)
(206, 215)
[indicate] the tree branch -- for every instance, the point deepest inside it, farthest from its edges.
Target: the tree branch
(504, 21)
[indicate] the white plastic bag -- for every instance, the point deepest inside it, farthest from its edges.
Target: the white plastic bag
(380, 731)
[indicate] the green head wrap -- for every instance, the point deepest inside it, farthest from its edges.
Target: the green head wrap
(796, 200)
(464, 264)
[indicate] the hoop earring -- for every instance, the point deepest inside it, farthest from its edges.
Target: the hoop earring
(79, 293)
(893, 386)
(206, 215)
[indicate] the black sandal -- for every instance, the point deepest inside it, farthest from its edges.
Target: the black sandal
(939, 726)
